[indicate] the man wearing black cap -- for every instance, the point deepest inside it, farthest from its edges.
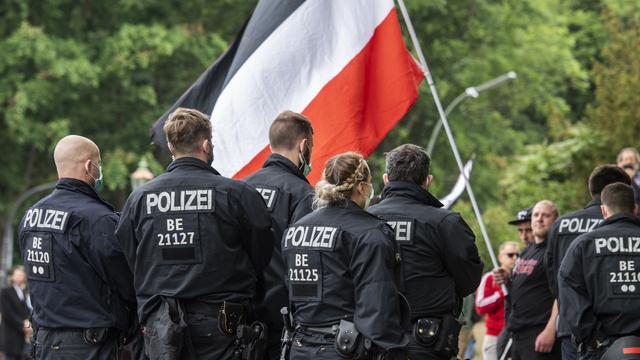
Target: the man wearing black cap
(570, 226)
(598, 282)
(523, 223)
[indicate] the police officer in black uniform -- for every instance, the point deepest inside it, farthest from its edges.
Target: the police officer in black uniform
(195, 241)
(440, 262)
(339, 263)
(80, 285)
(567, 228)
(599, 281)
(288, 196)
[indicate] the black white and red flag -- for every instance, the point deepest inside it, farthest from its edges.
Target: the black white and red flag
(342, 63)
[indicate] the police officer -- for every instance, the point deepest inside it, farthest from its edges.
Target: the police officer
(80, 285)
(570, 226)
(598, 281)
(440, 262)
(339, 263)
(288, 196)
(195, 242)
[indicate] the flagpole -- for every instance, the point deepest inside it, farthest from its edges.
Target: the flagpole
(445, 124)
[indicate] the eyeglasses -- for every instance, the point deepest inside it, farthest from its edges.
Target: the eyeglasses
(513, 254)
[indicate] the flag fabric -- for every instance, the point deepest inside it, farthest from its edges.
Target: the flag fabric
(343, 64)
(458, 188)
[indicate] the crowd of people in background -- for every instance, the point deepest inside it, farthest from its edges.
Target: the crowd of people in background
(199, 266)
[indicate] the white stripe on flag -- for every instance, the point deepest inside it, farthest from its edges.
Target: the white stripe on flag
(287, 71)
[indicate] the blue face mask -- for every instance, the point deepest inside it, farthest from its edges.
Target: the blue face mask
(99, 182)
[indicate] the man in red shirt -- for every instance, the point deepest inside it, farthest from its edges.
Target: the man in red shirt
(490, 300)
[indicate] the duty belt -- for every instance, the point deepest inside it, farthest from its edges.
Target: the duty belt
(324, 330)
(201, 307)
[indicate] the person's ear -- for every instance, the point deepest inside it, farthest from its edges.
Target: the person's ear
(385, 178)
(428, 181)
(204, 146)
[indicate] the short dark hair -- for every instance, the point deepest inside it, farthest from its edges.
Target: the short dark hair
(619, 198)
(409, 163)
(288, 129)
(185, 128)
(604, 175)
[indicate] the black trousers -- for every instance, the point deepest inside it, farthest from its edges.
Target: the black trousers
(274, 345)
(523, 347)
(308, 345)
(202, 341)
(52, 344)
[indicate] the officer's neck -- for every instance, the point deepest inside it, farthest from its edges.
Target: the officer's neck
(79, 175)
(293, 155)
(200, 157)
(539, 240)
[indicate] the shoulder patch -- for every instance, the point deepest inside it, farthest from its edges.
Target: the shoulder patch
(269, 194)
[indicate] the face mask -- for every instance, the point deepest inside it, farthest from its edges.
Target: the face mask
(305, 166)
(210, 154)
(99, 182)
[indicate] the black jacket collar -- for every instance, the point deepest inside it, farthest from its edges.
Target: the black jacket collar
(595, 202)
(282, 162)
(82, 187)
(410, 190)
(190, 161)
(621, 218)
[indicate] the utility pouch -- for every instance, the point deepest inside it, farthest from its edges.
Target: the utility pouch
(165, 331)
(350, 344)
(447, 341)
(426, 331)
(94, 336)
(252, 341)
(230, 316)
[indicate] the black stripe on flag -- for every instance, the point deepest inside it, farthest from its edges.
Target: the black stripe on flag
(204, 92)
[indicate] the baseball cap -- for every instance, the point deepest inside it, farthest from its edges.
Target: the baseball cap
(523, 215)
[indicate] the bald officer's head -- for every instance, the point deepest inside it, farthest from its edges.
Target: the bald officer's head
(77, 157)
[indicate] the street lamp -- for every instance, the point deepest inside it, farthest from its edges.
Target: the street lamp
(470, 92)
(141, 175)
(7, 239)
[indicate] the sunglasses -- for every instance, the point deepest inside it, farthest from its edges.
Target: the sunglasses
(512, 254)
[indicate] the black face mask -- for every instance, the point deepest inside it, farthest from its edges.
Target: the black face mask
(210, 154)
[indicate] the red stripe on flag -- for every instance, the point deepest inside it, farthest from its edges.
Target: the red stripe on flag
(359, 106)
(633, 350)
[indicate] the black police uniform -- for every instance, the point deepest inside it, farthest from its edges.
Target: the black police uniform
(194, 239)
(599, 284)
(440, 262)
(563, 231)
(531, 304)
(80, 286)
(288, 196)
(339, 263)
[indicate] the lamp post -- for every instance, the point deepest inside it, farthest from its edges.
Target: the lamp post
(470, 92)
(7, 239)
(141, 175)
